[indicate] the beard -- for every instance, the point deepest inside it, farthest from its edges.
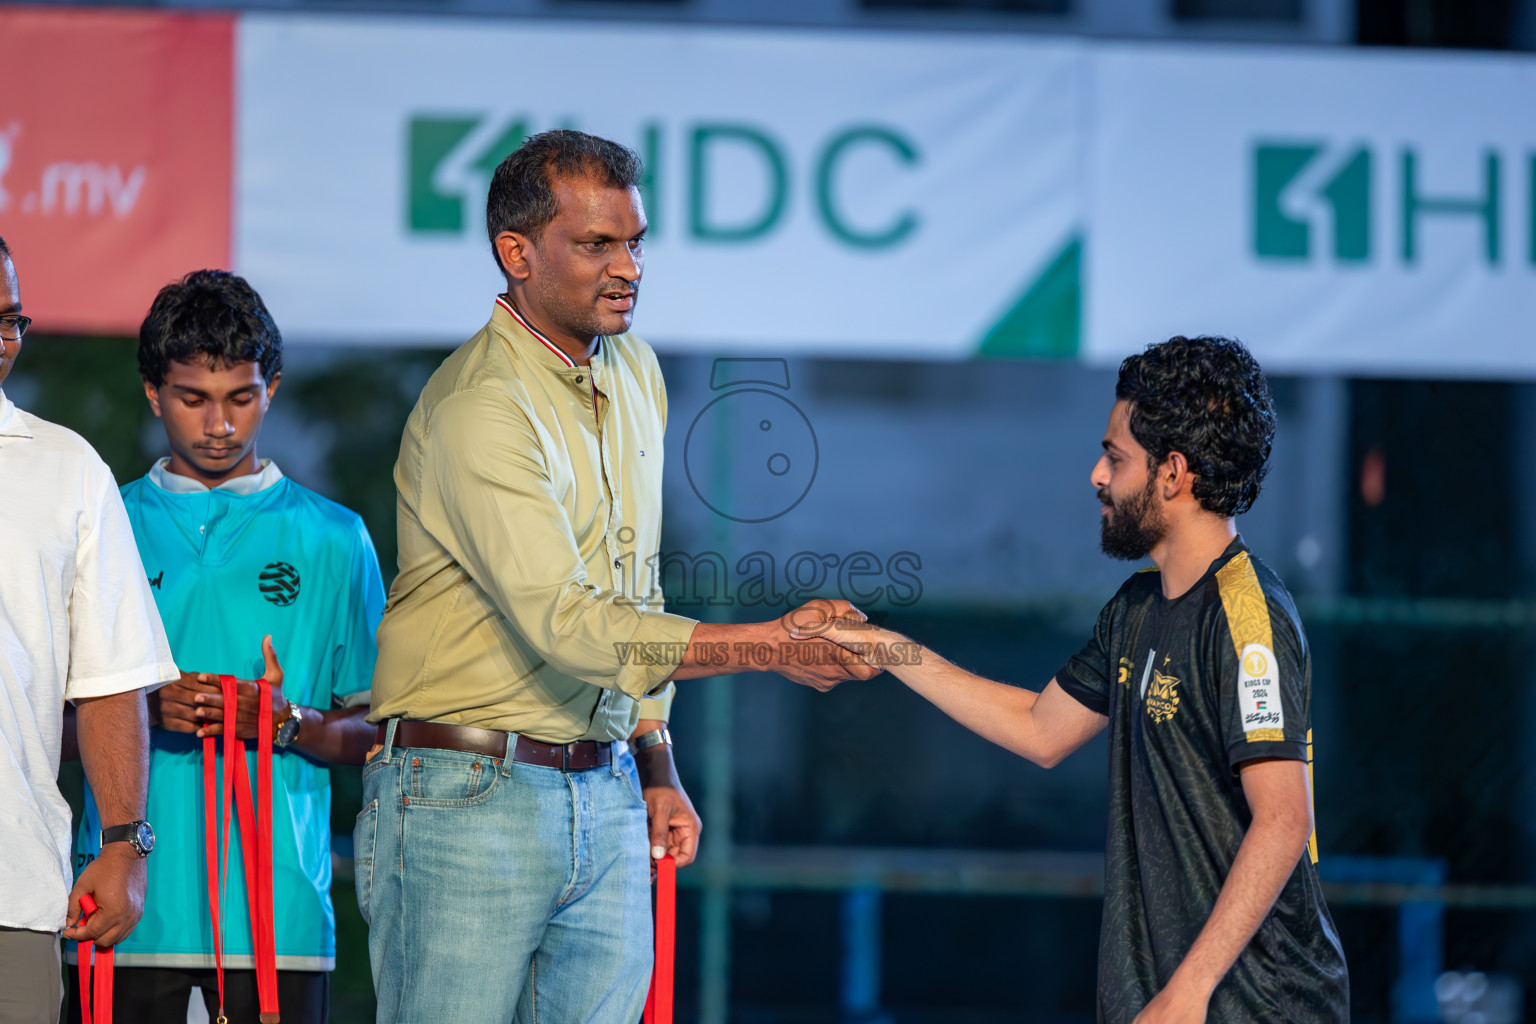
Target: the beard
(1133, 527)
(578, 320)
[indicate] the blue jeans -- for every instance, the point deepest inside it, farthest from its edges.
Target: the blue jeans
(501, 892)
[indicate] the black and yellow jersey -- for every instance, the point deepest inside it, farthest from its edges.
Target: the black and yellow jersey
(1193, 687)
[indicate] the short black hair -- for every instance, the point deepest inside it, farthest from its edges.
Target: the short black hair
(522, 195)
(1207, 398)
(211, 315)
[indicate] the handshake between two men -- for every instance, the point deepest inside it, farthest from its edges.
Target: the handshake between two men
(814, 645)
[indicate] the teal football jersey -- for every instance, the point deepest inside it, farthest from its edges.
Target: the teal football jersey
(226, 569)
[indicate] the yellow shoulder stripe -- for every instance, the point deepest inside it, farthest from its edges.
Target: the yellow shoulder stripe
(1243, 599)
(1248, 620)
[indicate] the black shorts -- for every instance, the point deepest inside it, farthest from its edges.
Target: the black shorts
(162, 994)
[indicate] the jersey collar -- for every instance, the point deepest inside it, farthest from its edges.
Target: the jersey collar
(247, 484)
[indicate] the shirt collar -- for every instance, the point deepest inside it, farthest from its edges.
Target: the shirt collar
(510, 319)
(11, 423)
(247, 484)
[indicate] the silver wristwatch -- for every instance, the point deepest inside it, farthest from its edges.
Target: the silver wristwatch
(288, 728)
(647, 740)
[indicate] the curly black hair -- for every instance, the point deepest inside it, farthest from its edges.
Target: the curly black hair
(211, 315)
(1206, 398)
(522, 196)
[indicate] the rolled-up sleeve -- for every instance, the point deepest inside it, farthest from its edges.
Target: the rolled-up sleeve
(486, 495)
(658, 707)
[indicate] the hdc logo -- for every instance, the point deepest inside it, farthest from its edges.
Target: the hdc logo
(1312, 199)
(740, 181)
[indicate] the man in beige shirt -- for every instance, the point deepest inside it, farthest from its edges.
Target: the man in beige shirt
(502, 849)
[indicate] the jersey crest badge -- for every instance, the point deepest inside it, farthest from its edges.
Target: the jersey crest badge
(279, 583)
(1162, 697)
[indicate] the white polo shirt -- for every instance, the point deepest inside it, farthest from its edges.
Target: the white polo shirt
(77, 620)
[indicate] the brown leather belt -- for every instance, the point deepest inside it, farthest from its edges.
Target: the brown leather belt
(583, 755)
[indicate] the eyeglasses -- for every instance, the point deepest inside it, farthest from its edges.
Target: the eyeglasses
(13, 326)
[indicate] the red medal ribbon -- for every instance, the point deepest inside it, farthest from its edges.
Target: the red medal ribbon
(255, 842)
(101, 994)
(658, 1002)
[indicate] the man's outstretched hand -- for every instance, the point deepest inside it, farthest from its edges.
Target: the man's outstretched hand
(853, 635)
(792, 646)
(807, 655)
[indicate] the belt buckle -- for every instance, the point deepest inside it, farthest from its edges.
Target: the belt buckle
(565, 757)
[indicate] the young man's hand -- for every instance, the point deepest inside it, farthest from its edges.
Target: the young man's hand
(174, 706)
(115, 880)
(208, 701)
(854, 635)
(803, 655)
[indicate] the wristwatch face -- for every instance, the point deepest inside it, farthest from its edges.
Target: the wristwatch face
(289, 730)
(144, 838)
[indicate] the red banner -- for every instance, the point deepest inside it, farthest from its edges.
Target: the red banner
(115, 158)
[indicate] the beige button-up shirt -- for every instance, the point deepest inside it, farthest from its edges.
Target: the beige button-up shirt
(529, 516)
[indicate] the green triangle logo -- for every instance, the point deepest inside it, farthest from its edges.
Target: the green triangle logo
(1046, 321)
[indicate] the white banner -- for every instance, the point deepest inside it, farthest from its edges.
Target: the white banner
(1345, 211)
(814, 192)
(900, 196)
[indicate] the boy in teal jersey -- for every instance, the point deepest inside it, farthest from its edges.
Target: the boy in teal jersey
(245, 565)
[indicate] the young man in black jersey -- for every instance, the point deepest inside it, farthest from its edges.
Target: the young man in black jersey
(1200, 670)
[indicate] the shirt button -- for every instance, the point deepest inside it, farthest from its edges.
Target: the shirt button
(618, 563)
(579, 378)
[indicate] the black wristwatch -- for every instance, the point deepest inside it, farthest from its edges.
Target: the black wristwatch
(136, 834)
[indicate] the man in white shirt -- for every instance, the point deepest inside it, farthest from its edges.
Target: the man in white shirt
(77, 623)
